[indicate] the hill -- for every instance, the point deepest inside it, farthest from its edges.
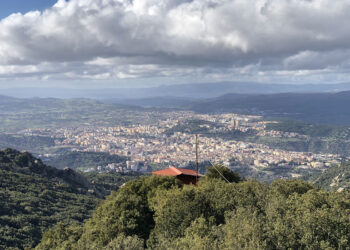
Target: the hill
(158, 101)
(4, 98)
(322, 108)
(158, 213)
(336, 178)
(83, 160)
(34, 197)
(21, 142)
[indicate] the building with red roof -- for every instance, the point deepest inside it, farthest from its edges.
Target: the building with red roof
(186, 176)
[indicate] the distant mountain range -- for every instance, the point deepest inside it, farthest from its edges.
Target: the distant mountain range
(323, 108)
(194, 90)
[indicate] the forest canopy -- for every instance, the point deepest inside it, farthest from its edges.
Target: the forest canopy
(159, 213)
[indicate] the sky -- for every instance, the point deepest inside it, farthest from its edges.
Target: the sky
(14, 6)
(113, 43)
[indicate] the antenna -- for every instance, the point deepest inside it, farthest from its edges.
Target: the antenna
(196, 158)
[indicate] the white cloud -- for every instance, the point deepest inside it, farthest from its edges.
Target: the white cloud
(115, 39)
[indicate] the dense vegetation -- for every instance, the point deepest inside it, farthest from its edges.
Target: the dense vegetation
(110, 181)
(336, 178)
(273, 172)
(83, 160)
(201, 166)
(34, 197)
(20, 142)
(158, 213)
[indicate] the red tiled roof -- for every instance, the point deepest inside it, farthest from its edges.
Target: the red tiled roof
(172, 171)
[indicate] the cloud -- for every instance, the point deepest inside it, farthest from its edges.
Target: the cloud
(219, 39)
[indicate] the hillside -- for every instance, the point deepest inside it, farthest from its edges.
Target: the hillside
(158, 213)
(158, 101)
(20, 142)
(4, 98)
(336, 178)
(33, 197)
(83, 160)
(323, 108)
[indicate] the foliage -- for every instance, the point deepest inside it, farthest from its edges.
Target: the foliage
(122, 242)
(62, 236)
(158, 213)
(21, 142)
(201, 166)
(124, 212)
(334, 178)
(83, 160)
(34, 197)
(223, 173)
(108, 182)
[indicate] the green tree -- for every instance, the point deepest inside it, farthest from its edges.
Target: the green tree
(123, 242)
(221, 172)
(62, 236)
(125, 212)
(214, 214)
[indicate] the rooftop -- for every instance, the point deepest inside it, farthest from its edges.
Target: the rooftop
(173, 171)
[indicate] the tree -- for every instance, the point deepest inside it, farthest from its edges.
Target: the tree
(62, 236)
(223, 173)
(123, 242)
(125, 212)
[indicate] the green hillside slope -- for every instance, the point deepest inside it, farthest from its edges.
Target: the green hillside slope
(34, 197)
(336, 178)
(83, 160)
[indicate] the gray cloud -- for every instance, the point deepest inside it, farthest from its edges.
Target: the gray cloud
(116, 39)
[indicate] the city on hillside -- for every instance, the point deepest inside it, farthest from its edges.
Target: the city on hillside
(170, 140)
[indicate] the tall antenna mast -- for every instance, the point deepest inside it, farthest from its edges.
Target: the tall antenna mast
(196, 158)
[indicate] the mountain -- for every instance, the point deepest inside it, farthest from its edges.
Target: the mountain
(192, 90)
(4, 98)
(34, 197)
(323, 108)
(158, 101)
